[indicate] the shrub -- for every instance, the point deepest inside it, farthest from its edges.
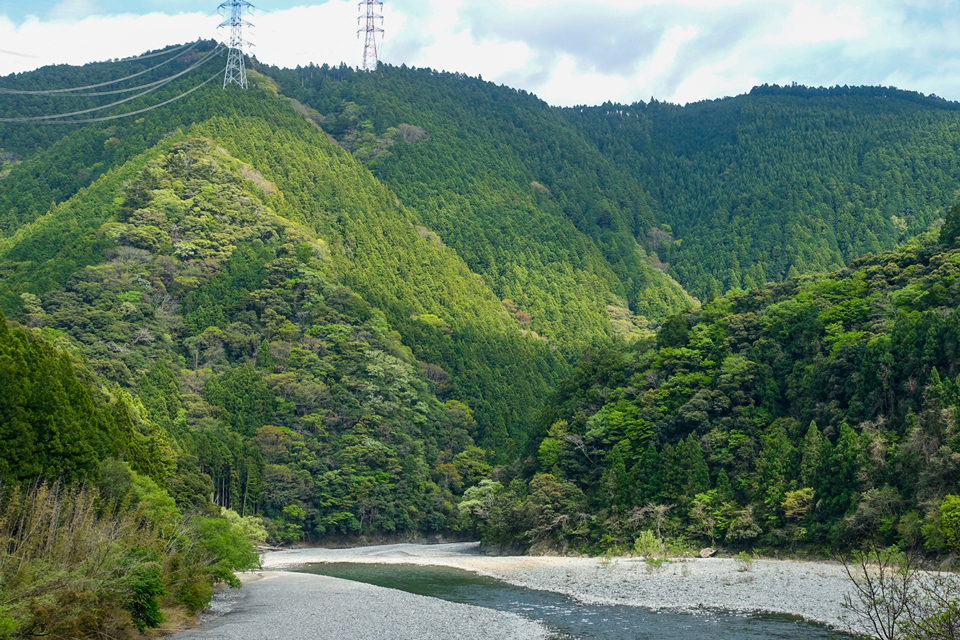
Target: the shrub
(75, 564)
(225, 547)
(146, 585)
(67, 569)
(649, 545)
(744, 561)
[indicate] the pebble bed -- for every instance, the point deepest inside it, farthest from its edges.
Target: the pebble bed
(296, 606)
(812, 590)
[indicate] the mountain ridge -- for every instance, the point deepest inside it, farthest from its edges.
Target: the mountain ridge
(486, 238)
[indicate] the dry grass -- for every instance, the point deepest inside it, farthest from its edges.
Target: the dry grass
(65, 563)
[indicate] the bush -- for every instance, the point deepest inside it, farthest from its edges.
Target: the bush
(649, 545)
(146, 585)
(69, 570)
(226, 548)
(251, 527)
(75, 564)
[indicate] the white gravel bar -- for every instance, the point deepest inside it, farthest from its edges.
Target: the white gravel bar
(812, 590)
(296, 606)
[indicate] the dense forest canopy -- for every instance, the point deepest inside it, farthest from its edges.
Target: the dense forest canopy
(406, 301)
(783, 181)
(821, 411)
(530, 205)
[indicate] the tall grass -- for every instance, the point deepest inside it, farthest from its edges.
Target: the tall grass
(73, 565)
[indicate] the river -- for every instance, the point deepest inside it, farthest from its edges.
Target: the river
(568, 618)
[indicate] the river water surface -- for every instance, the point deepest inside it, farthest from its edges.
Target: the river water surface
(566, 617)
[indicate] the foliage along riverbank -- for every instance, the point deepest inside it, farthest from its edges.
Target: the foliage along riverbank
(107, 548)
(821, 412)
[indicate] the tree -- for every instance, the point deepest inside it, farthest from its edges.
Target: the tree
(674, 332)
(893, 599)
(616, 483)
(774, 470)
(695, 471)
(245, 396)
(950, 521)
(950, 230)
(672, 475)
(646, 474)
(810, 455)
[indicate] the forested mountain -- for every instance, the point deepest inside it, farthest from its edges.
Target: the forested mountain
(344, 298)
(466, 340)
(785, 180)
(532, 206)
(820, 411)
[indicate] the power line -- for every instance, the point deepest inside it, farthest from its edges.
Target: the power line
(119, 91)
(19, 55)
(151, 55)
(102, 84)
(118, 102)
(128, 90)
(138, 111)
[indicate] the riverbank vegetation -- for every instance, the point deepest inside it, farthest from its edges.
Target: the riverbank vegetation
(75, 563)
(894, 598)
(814, 414)
(122, 541)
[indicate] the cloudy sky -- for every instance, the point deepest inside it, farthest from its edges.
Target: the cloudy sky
(566, 51)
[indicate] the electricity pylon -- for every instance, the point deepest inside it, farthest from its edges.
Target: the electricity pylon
(371, 57)
(235, 73)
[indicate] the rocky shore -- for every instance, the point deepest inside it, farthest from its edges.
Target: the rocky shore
(295, 606)
(813, 590)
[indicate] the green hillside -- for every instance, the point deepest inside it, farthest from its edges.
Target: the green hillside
(820, 411)
(345, 297)
(227, 320)
(104, 523)
(529, 204)
(55, 420)
(347, 305)
(471, 347)
(785, 180)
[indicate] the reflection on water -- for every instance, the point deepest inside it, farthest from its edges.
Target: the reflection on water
(568, 618)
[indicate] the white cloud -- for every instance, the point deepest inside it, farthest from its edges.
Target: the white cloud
(566, 51)
(95, 38)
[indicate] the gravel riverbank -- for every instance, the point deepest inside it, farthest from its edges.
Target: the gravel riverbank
(812, 590)
(296, 606)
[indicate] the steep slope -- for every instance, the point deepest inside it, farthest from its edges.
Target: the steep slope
(821, 411)
(785, 180)
(528, 203)
(51, 162)
(93, 542)
(56, 422)
(468, 344)
(288, 390)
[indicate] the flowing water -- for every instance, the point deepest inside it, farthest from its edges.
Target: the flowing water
(568, 618)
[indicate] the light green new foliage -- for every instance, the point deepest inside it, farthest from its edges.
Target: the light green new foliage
(376, 250)
(251, 527)
(648, 544)
(744, 561)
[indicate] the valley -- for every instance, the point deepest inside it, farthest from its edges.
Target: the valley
(342, 307)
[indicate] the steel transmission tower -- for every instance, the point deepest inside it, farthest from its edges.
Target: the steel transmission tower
(371, 56)
(236, 73)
